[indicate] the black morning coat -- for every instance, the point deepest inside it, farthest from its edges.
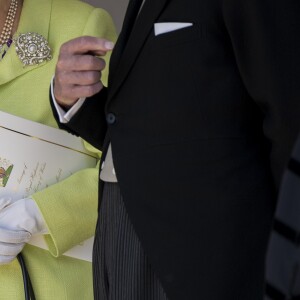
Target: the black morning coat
(201, 121)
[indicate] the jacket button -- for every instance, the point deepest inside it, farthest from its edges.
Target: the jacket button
(110, 118)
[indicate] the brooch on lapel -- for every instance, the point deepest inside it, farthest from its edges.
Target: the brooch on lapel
(32, 49)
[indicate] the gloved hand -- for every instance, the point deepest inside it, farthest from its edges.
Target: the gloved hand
(19, 220)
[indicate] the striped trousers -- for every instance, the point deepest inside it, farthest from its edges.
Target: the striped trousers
(120, 267)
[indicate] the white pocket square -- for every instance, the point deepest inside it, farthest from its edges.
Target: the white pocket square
(160, 28)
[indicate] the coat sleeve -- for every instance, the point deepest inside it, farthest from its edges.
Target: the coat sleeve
(70, 206)
(89, 122)
(265, 39)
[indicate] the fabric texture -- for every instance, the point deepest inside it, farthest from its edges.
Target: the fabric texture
(122, 270)
(69, 207)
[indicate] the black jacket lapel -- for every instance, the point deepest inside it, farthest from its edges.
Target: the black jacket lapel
(135, 42)
(129, 20)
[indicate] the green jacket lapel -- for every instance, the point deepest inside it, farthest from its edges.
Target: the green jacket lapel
(35, 17)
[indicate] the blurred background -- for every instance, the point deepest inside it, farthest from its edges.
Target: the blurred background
(116, 8)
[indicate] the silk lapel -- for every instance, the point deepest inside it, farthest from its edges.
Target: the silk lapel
(35, 17)
(136, 40)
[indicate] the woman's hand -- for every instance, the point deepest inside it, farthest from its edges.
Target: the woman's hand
(19, 220)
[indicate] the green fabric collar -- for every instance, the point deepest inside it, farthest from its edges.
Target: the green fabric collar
(35, 17)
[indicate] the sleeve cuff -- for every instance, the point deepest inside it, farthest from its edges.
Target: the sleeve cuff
(65, 117)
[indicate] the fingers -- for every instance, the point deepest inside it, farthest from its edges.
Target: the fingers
(4, 260)
(87, 44)
(14, 237)
(8, 252)
(11, 249)
(4, 202)
(79, 63)
(80, 78)
(11, 244)
(78, 70)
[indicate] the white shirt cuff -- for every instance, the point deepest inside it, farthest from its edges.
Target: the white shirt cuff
(65, 117)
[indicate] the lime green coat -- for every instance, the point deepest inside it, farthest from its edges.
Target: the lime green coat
(69, 207)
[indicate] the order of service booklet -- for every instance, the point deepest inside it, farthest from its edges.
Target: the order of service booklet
(34, 156)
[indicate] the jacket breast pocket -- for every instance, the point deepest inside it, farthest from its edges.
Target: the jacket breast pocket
(178, 37)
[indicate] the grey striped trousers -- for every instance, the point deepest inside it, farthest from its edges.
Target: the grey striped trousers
(120, 267)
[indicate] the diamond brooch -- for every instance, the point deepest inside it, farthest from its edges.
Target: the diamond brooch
(32, 49)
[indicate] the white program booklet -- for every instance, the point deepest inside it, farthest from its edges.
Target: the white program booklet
(34, 156)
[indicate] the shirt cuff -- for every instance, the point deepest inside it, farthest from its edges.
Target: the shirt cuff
(65, 117)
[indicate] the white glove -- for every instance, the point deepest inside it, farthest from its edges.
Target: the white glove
(19, 220)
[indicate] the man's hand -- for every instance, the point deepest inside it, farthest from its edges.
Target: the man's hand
(78, 70)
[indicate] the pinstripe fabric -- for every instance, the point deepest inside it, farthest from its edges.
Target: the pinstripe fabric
(121, 268)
